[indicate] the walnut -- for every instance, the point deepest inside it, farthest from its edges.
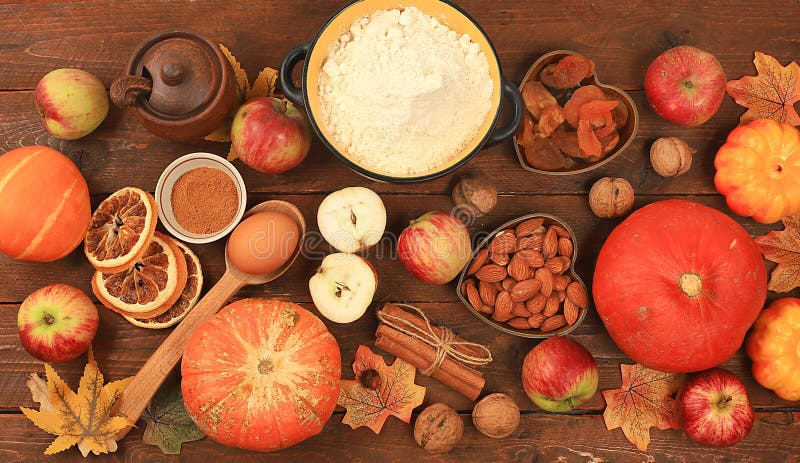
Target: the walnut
(438, 428)
(611, 197)
(671, 156)
(475, 194)
(496, 416)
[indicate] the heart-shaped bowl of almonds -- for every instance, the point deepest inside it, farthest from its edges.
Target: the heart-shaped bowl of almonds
(521, 279)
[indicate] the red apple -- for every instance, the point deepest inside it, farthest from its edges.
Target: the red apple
(71, 103)
(685, 85)
(57, 323)
(559, 374)
(270, 135)
(715, 409)
(435, 247)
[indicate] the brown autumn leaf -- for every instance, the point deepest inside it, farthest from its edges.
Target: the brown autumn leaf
(379, 391)
(264, 85)
(771, 93)
(783, 248)
(645, 399)
(79, 418)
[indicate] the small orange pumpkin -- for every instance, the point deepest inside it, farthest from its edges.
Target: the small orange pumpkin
(774, 347)
(758, 170)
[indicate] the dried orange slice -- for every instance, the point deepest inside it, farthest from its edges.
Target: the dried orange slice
(188, 298)
(121, 228)
(150, 286)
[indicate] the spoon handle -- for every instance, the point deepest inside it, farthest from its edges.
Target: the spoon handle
(134, 399)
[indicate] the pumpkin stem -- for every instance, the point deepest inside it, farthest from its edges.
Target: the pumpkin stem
(691, 284)
(265, 366)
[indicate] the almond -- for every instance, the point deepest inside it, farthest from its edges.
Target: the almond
(525, 290)
(550, 244)
(536, 303)
(558, 265)
(488, 292)
(571, 312)
(473, 296)
(530, 242)
(500, 259)
(508, 283)
(546, 278)
(560, 231)
(552, 305)
(478, 261)
(560, 282)
(536, 320)
(561, 295)
(491, 272)
(531, 257)
(503, 243)
(553, 323)
(565, 247)
(577, 294)
(485, 309)
(529, 226)
(518, 269)
(519, 323)
(520, 310)
(498, 285)
(503, 307)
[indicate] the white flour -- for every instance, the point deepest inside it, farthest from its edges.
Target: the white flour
(402, 93)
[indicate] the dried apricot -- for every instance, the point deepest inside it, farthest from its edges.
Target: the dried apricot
(609, 142)
(543, 154)
(567, 141)
(588, 141)
(547, 75)
(571, 70)
(551, 118)
(597, 113)
(525, 131)
(536, 98)
(582, 95)
(620, 113)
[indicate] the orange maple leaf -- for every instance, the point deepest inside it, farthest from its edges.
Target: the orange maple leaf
(771, 93)
(379, 391)
(645, 399)
(783, 247)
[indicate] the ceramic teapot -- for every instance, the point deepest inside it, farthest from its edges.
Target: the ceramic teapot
(180, 86)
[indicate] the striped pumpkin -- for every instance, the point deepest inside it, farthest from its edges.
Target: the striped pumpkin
(44, 204)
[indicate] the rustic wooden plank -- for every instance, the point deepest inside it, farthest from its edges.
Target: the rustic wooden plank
(623, 37)
(539, 438)
(19, 278)
(121, 152)
(121, 349)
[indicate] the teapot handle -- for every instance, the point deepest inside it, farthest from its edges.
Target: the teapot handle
(125, 90)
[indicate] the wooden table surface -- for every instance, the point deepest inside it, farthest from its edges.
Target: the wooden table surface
(621, 36)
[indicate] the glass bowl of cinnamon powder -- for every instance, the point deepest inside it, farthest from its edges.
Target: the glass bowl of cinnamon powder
(201, 197)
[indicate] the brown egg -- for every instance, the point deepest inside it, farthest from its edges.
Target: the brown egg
(263, 242)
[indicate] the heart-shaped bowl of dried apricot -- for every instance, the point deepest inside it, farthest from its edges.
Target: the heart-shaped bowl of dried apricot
(573, 123)
(521, 279)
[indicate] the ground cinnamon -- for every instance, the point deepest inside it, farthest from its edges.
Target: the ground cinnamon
(204, 200)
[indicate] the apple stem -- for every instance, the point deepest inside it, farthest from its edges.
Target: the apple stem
(49, 319)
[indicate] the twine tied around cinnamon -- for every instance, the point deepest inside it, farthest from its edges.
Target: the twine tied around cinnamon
(445, 344)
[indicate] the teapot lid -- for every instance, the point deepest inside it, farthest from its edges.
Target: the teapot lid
(185, 71)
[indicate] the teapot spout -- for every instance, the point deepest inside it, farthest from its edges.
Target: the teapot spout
(126, 90)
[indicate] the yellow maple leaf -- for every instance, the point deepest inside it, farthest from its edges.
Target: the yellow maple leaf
(79, 418)
(379, 391)
(223, 132)
(264, 84)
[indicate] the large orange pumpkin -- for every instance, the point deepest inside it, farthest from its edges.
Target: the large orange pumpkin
(44, 204)
(677, 285)
(261, 375)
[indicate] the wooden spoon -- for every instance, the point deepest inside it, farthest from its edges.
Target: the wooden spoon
(134, 399)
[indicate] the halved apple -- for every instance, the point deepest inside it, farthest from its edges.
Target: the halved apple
(343, 287)
(352, 219)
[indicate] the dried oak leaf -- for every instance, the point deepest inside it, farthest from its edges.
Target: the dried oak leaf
(168, 424)
(645, 399)
(771, 93)
(379, 391)
(783, 248)
(80, 417)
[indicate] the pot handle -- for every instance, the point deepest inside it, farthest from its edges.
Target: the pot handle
(295, 55)
(512, 95)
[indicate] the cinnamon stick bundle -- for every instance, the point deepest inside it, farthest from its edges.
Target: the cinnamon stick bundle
(456, 375)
